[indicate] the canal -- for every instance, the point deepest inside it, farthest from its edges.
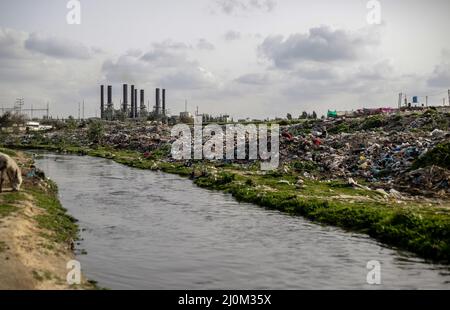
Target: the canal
(150, 230)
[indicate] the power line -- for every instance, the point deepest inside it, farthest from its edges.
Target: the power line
(440, 93)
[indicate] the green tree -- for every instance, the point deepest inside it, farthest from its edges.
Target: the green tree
(95, 131)
(71, 123)
(8, 119)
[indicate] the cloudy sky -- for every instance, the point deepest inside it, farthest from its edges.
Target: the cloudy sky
(247, 58)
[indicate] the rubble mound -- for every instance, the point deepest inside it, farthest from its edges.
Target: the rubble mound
(440, 156)
(430, 180)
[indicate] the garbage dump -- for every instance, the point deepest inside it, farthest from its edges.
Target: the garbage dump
(382, 150)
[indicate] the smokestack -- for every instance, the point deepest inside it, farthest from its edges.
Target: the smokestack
(135, 103)
(157, 99)
(102, 101)
(132, 102)
(142, 100)
(109, 95)
(164, 101)
(125, 98)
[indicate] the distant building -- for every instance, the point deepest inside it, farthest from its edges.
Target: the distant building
(185, 114)
(35, 126)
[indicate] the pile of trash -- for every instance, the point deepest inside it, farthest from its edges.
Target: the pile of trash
(138, 137)
(429, 181)
(374, 156)
(378, 149)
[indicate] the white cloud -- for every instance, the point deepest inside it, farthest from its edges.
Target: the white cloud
(236, 6)
(57, 47)
(232, 35)
(382, 70)
(165, 64)
(11, 43)
(258, 79)
(321, 44)
(441, 73)
(204, 44)
(43, 77)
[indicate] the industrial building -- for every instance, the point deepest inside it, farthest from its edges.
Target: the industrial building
(159, 111)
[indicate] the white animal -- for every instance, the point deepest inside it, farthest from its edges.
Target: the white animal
(9, 166)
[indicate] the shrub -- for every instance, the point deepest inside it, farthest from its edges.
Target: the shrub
(372, 122)
(95, 131)
(439, 156)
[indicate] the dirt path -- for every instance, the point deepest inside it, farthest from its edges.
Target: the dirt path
(29, 259)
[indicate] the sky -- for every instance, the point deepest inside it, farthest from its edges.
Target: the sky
(245, 58)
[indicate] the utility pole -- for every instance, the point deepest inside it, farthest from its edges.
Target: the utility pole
(78, 111)
(426, 101)
(83, 109)
(449, 97)
(18, 106)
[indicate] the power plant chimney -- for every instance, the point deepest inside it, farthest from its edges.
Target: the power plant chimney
(102, 101)
(132, 102)
(157, 99)
(164, 101)
(109, 95)
(142, 100)
(125, 98)
(135, 103)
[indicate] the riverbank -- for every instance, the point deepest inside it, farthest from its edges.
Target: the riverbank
(419, 225)
(36, 234)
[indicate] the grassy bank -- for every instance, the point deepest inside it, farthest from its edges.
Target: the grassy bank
(37, 234)
(44, 194)
(420, 227)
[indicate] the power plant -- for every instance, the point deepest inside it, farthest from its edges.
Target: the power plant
(158, 112)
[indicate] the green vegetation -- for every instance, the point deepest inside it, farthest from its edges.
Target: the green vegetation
(439, 156)
(372, 122)
(12, 197)
(308, 166)
(7, 151)
(42, 275)
(6, 209)
(342, 127)
(162, 152)
(9, 119)
(55, 219)
(95, 131)
(7, 201)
